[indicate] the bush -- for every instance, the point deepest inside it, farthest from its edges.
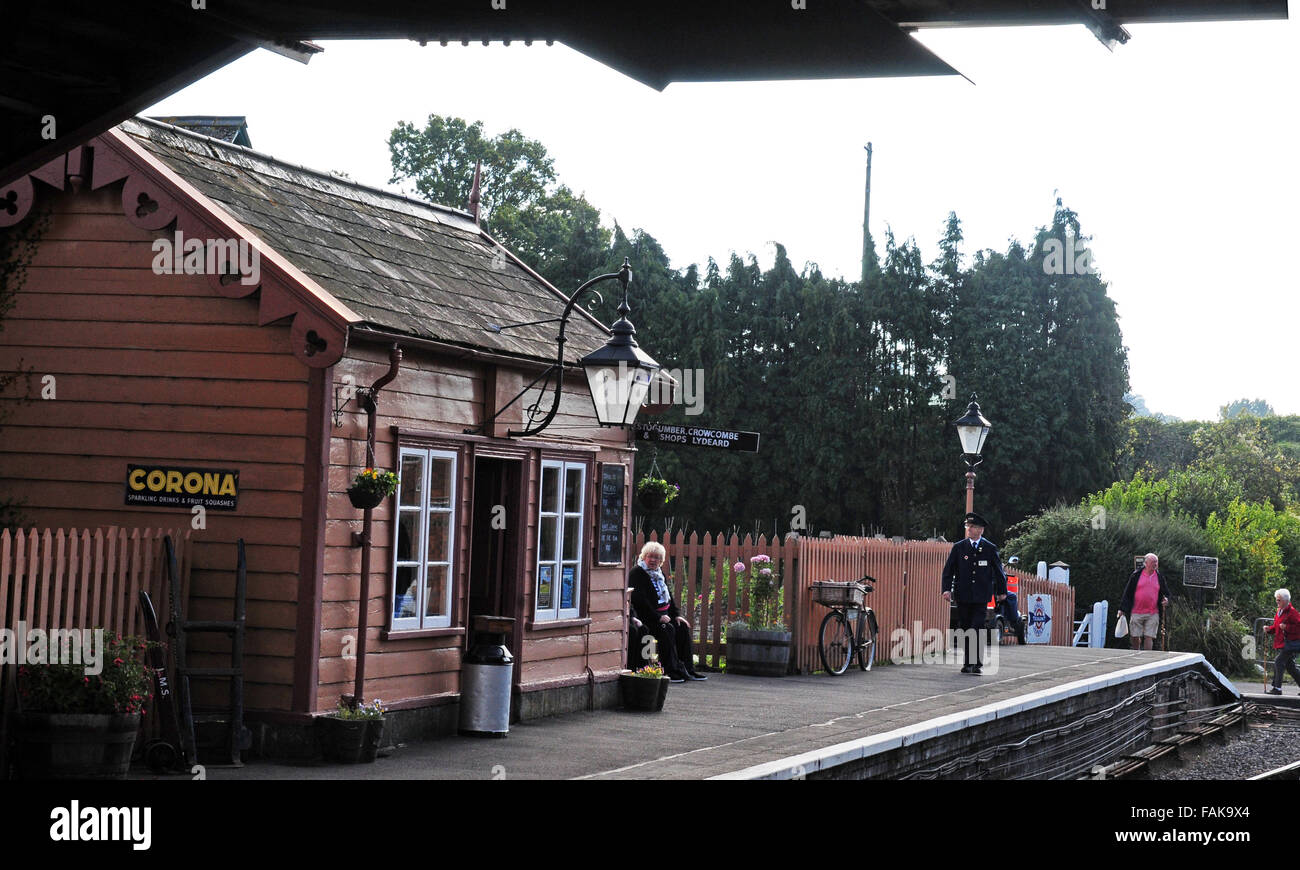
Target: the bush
(1102, 558)
(1216, 634)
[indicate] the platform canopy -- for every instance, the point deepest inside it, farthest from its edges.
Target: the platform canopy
(88, 65)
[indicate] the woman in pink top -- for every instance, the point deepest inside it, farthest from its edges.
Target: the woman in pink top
(1143, 602)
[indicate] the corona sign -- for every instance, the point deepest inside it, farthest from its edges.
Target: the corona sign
(169, 486)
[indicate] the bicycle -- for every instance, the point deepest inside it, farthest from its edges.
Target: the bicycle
(850, 627)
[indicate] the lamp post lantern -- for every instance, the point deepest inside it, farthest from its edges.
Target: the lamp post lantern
(972, 429)
(618, 374)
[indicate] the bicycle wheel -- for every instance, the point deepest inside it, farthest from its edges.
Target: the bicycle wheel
(866, 640)
(835, 644)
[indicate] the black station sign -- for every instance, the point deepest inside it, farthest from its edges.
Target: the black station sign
(609, 546)
(173, 486)
(1201, 571)
(697, 436)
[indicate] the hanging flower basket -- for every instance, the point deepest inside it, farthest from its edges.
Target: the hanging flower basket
(370, 487)
(653, 493)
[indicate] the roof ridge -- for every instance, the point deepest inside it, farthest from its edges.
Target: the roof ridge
(269, 158)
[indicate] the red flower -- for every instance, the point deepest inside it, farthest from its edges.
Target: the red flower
(118, 661)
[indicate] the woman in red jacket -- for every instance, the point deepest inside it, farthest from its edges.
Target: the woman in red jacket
(1286, 637)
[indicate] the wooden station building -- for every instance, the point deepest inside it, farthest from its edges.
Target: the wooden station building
(163, 363)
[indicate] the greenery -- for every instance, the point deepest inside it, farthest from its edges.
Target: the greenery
(766, 595)
(652, 671)
(1102, 559)
(375, 481)
(123, 685)
(1225, 489)
(656, 486)
(1043, 351)
(1217, 633)
(349, 709)
(1256, 408)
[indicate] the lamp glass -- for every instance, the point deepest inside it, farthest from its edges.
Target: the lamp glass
(972, 439)
(618, 391)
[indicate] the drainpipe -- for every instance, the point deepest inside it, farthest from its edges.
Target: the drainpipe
(367, 398)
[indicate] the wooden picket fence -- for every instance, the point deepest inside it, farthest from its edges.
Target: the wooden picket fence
(907, 593)
(84, 580)
(57, 579)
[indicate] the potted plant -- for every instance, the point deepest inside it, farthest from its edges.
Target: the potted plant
(653, 493)
(78, 719)
(644, 689)
(758, 642)
(370, 487)
(351, 733)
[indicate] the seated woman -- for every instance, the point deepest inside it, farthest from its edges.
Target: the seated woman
(653, 605)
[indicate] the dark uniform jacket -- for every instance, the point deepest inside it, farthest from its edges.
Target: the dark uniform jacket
(645, 603)
(973, 574)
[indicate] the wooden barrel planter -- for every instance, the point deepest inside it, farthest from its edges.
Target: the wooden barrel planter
(75, 745)
(758, 653)
(643, 693)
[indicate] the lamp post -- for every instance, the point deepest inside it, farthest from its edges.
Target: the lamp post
(972, 429)
(618, 374)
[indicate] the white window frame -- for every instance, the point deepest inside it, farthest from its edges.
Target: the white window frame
(421, 562)
(555, 559)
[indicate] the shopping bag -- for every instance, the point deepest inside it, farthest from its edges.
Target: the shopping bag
(1121, 626)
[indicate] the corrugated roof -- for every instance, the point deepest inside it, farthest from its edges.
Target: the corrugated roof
(403, 265)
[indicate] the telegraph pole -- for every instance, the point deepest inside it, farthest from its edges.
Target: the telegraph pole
(868, 255)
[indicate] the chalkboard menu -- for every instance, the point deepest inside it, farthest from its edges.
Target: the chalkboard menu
(609, 546)
(1202, 571)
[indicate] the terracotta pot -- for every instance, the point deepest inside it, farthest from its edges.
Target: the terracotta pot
(643, 693)
(75, 745)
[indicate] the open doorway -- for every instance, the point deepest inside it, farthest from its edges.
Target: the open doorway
(495, 539)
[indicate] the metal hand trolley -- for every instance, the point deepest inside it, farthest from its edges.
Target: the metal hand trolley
(849, 628)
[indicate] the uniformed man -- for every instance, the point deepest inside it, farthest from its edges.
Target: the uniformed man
(971, 576)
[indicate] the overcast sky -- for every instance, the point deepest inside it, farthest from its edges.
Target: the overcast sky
(1178, 151)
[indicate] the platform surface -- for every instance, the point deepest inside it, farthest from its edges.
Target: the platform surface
(732, 724)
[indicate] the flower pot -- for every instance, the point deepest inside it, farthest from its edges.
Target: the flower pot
(364, 499)
(643, 693)
(75, 745)
(758, 653)
(651, 500)
(350, 741)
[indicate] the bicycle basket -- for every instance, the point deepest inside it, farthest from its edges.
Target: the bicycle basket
(833, 594)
